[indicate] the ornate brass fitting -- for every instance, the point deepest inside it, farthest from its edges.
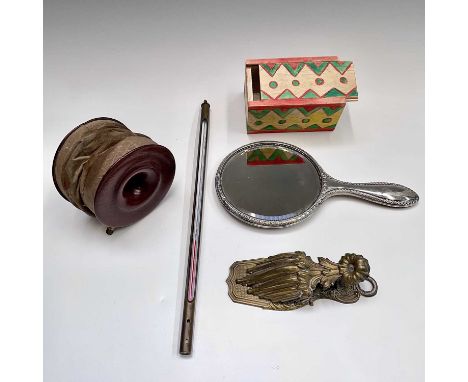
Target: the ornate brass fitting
(292, 280)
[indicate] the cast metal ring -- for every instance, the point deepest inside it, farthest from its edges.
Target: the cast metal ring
(369, 293)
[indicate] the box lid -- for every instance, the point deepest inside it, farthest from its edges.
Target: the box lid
(301, 80)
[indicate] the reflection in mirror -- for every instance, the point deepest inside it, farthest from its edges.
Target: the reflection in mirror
(271, 183)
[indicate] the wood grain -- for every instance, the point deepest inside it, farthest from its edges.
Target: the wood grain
(297, 93)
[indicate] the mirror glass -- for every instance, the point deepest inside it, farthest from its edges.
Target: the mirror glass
(270, 182)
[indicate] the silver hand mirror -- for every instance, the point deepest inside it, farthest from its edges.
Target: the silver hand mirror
(273, 184)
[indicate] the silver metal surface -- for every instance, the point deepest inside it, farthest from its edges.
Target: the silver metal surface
(194, 247)
(386, 194)
(188, 315)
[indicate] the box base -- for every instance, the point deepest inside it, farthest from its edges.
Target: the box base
(249, 131)
(296, 119)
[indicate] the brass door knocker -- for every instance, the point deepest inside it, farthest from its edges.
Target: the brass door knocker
(292, 280)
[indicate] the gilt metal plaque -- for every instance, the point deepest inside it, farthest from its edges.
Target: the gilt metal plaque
(292, 280)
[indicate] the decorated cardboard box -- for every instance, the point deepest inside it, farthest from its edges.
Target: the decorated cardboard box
(297, 94)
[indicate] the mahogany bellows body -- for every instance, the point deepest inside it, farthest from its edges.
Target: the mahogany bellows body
(109, 172)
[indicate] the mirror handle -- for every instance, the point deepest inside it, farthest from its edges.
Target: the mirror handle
(387, 194)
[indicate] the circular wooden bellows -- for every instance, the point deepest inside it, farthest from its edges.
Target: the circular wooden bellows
(109, 172)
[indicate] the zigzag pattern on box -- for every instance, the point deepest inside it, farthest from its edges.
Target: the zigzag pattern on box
(296, 119)
(328, 110)
(308, 80)
(310, 93)
(317, 67)
(289, 129)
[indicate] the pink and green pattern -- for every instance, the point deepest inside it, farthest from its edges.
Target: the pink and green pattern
(297, 94)
(295, 119)
(272, 156)
(308, 80)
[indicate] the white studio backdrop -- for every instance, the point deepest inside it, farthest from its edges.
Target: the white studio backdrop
(112, 304)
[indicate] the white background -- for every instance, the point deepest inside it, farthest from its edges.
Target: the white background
(112, 305)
